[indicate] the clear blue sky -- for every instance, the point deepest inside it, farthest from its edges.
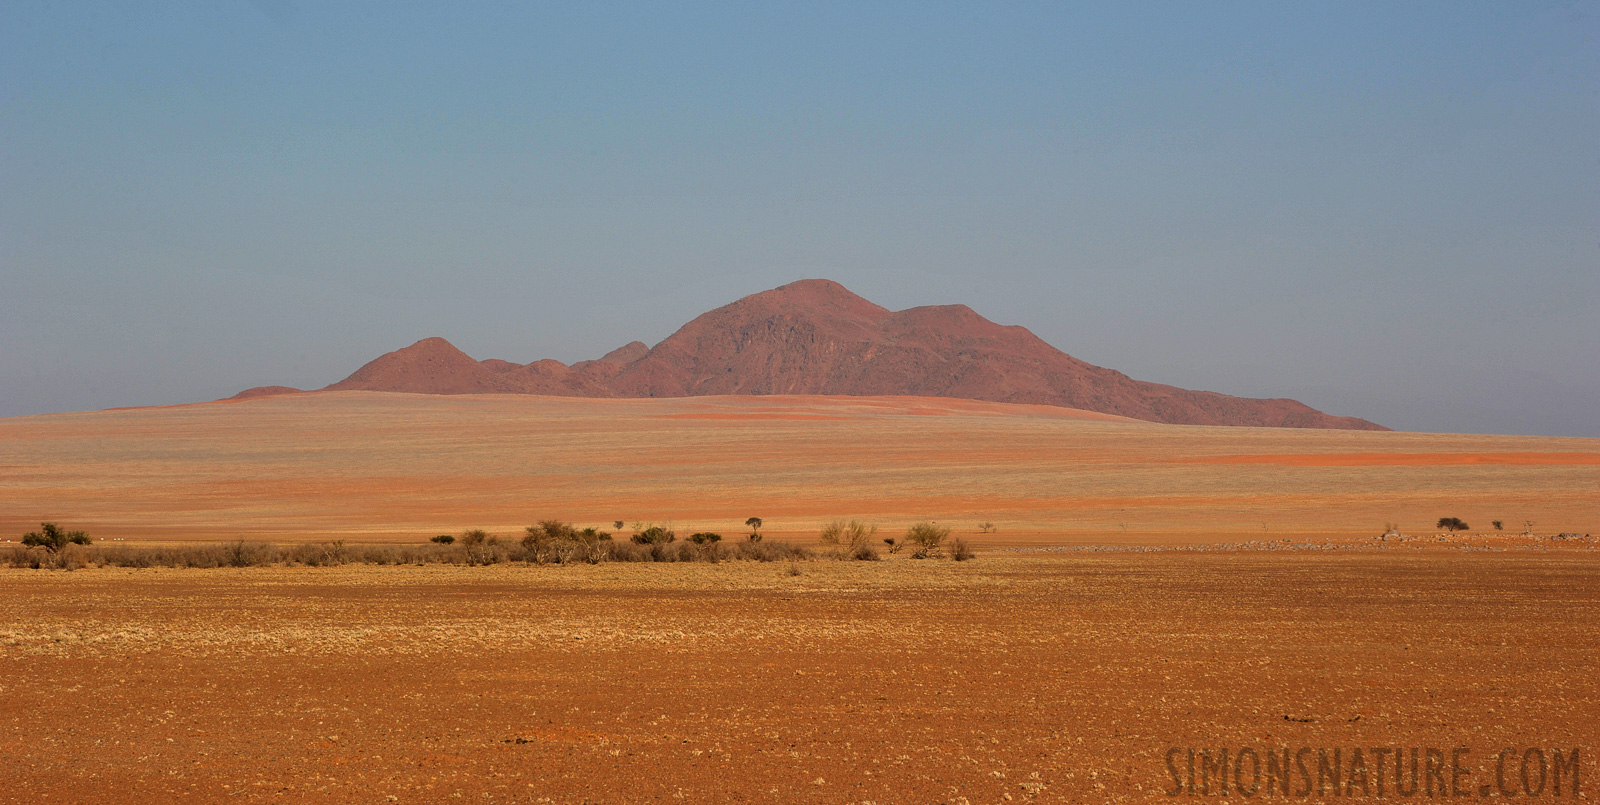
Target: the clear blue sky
(1388, 210)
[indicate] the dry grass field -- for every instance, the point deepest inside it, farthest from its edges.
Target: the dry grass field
(1061, 678)
(367, 466)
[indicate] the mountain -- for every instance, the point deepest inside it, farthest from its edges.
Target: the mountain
(816, 337)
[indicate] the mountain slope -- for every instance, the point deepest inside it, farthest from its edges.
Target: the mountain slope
(816, 337)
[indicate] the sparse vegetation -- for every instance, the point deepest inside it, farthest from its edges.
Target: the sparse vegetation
(755, 528)
(474, 537)
(585, 545)
(1497, 525)
(443, 539)
(1452, 524)
(986, 528)
(705, 538)
(53, 538)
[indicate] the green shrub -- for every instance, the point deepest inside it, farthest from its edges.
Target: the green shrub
(51, 538)
(1452, 524)
(654, 535)
(705, 538)
(443, 539)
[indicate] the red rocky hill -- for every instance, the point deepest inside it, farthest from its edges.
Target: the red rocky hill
(816, 337)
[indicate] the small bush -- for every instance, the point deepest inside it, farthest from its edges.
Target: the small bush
(473, 537)
(960, 550)
(705, 538)
(928, 537)
(1452, 524)
(443, 539)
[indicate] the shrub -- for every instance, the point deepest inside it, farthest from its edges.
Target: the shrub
(705, 538)
(473, 537)
(1497, 524)
(1452, 524)
(654, 535)
(53, 539)
(865, 553)
(443, 539)
(769, 551)
(927, 537)
(986, 528)
(850, 534)
(960, 550)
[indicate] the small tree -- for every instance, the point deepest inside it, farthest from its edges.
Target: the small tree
(755, 528)
(474, 537)
(53, 539)
(442, 539)
(986, 528)
(1452, 524)
(1497, 524)
(617, 524)
(705, 538)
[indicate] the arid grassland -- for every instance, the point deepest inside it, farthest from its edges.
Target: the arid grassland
(1048, 678)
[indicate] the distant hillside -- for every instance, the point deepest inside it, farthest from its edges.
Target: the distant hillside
(816, 337)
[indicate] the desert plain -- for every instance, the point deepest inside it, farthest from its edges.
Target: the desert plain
(372, 466)
(1144, 589)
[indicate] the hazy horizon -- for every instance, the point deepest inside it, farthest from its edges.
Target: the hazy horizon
(1387, 213)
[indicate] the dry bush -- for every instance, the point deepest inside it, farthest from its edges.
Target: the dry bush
(853, 539)
(960, 550)
(775, 551)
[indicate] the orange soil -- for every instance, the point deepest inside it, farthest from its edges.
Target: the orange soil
(1019, 680)
(402, 467)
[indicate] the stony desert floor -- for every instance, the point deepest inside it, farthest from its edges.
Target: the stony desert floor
(1011, 678)
(370, 466)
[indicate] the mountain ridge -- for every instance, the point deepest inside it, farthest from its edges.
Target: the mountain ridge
(816, 337)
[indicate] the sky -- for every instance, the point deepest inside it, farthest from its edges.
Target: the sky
(1384, 210)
